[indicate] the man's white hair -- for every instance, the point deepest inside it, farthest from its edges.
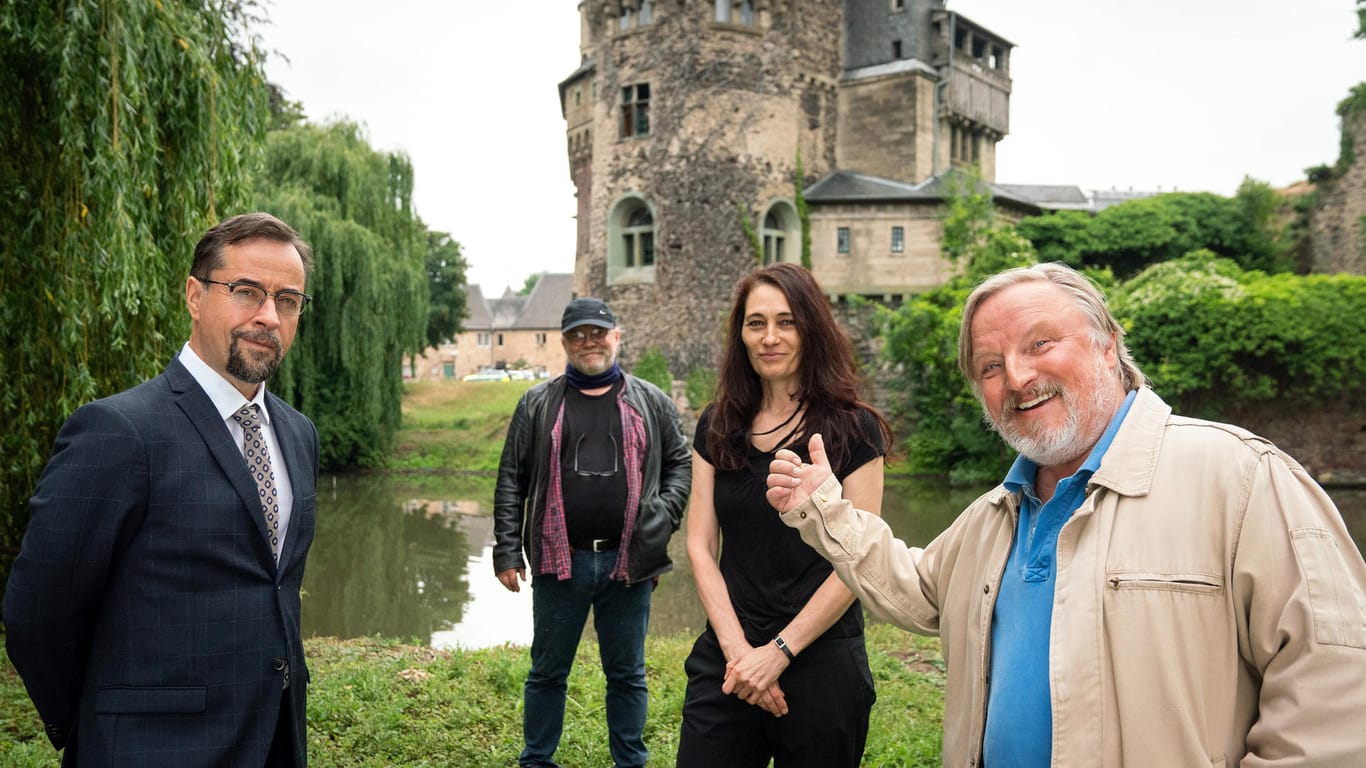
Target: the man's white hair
(1085, 295)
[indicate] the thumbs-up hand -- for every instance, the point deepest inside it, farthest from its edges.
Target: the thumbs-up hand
(790, 482)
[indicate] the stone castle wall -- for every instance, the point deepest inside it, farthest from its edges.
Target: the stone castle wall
(1338, 221)
(730, 109)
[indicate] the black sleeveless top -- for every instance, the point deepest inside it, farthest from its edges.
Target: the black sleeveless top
(770, 572)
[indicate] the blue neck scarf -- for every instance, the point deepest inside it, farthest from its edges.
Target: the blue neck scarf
(581, 381)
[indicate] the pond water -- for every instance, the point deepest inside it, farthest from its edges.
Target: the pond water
(410, 558)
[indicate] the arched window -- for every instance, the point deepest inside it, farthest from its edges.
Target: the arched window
(631, 241)
(781, 234)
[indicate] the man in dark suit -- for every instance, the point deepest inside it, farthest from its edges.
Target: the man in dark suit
(153, 611)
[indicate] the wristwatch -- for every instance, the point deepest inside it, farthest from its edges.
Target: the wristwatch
(782, 646)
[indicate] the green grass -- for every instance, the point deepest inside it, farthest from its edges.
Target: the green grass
(454, 426)
(377, 702)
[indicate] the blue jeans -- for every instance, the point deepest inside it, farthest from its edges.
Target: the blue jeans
(621, 615)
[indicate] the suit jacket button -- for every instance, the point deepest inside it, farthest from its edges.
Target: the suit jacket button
(279, 663)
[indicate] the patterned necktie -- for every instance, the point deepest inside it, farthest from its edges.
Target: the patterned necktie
(258, 460)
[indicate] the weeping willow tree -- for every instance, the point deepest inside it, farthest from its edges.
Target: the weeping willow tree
(126, 130)
(353, 204)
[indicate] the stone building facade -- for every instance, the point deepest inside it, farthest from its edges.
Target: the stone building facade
(686, 121)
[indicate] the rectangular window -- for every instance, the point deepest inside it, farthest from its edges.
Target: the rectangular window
(482, 339)
(896, 49)
(639, 248)
(898, 5)
(898, 239)
(647, 249)
(635, 110)
(540, 339)
(500, 339)
(842, 239)
(735, 12)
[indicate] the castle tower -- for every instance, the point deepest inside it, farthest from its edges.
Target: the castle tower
(686, 118)
(923, 89)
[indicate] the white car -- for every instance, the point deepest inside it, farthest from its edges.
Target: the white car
(488, 374)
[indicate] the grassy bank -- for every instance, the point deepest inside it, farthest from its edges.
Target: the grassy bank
(455, 425)
(380, 702)
(374, 702)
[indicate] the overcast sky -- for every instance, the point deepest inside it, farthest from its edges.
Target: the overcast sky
(1160, 95)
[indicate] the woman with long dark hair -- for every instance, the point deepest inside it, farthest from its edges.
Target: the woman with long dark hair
(781, 671)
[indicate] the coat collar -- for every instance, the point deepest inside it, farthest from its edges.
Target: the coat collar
(1130, 464)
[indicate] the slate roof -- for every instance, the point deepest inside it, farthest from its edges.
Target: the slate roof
(539, 310)
(545, 305)
(850, 187)
(480, 317)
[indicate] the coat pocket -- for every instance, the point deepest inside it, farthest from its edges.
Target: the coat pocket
(1194, 583)
(159, 700)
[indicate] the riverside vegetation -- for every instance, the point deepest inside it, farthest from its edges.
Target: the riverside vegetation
(387, 702)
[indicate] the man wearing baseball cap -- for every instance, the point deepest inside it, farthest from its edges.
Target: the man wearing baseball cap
(592, 484)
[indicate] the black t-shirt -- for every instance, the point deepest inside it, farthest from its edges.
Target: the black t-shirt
(770, 572)
(591, 471)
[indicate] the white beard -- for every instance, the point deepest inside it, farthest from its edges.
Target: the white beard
(1072, 440)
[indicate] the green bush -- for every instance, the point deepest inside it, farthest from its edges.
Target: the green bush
(655, 369)
(700, 388)
(1214, 338)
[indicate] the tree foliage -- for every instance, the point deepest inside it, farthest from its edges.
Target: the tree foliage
(1215, 339)
(1132, 235)
(127, 129)
(968, 214)
(353, 204)
(446, 287)
(529, 283)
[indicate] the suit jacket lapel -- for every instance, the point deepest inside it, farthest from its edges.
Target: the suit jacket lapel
(197, 406)
(293, 444)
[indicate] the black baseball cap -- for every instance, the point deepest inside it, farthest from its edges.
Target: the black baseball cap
(587, 311)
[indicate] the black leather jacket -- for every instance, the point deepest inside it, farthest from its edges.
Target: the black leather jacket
(523, 472)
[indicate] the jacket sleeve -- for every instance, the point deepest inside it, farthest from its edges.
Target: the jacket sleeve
(90, 499)
(892, 580)
(1300, 585)
(675, 468)
(510, 491)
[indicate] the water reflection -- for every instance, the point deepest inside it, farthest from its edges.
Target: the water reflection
(414, 561)
(384, 565)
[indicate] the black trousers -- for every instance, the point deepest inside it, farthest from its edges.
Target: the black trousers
(830, 694)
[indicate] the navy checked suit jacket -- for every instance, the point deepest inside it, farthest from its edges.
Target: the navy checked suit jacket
(144, 612)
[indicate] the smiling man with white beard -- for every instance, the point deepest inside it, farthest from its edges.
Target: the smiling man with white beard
(1141, 589)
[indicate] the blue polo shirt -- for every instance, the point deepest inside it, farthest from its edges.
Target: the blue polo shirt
(1019, 732)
